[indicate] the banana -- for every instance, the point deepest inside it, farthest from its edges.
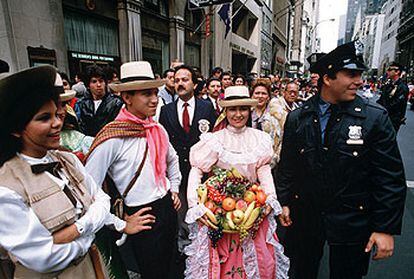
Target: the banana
(230, 221)
(253, 216)
(211, 224)
(236, 173)
(248, 211)
(211, 216)
(202, 194)
(229, 231)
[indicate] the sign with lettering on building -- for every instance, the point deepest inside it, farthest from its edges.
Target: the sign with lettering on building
(195, 4)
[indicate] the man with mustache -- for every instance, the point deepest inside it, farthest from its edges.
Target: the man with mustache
(214, 89)
(340, 178)
(185, 120)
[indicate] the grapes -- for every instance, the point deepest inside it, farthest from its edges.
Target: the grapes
(256, 225)
(215, 236)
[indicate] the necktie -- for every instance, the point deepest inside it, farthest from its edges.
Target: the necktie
(186, 118)
(217, 107)
(331, 122)
(53, 169)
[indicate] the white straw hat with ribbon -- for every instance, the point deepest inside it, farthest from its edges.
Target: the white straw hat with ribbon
(237, 96)
(136, 75)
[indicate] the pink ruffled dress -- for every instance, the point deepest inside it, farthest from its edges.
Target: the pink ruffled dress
(250, 152)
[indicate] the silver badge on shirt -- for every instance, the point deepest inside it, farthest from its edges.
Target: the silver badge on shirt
(355, 134)
(203, 126)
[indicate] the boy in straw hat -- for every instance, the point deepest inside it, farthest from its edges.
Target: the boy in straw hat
(134, 141)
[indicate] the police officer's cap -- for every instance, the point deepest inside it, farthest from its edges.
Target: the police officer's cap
(346, 56)
(315, 57)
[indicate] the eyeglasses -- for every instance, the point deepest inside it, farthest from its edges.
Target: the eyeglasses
(393, 69)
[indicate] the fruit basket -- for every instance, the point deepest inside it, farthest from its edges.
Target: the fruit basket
(234, 204)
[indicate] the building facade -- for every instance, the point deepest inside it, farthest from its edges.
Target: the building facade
(406, 38)
(391, 9)
(243, 36)
(371, 36)
(354, 7)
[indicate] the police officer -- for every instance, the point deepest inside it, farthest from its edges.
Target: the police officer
(394, 96)
(341, 177)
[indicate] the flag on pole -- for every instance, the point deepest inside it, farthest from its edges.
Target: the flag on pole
(224, 14)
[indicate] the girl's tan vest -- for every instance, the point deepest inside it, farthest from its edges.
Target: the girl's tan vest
(50, 204)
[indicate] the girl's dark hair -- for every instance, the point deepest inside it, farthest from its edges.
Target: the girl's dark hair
(21, 97)
(237, 77)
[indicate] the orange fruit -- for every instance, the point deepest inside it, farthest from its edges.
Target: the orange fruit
(228, 204)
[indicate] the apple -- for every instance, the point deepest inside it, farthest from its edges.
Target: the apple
(249, 196)
(237, 216)
(241, 204)
(210, 205)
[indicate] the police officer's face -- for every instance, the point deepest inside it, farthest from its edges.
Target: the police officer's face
(393, 71)
(344, 87)
(238, 116)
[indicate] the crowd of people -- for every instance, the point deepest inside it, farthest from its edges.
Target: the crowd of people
(99, 179)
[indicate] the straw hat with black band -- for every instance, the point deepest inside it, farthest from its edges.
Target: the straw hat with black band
(136, 75)
(237, 96)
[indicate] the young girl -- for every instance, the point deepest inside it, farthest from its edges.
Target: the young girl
(50, 207)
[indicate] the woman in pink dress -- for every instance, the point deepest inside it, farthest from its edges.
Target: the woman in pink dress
(249, 151)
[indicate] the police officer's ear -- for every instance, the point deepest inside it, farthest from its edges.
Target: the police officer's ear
(326, 80)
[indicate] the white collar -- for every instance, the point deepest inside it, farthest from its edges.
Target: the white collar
(33, 160)
(191, 102)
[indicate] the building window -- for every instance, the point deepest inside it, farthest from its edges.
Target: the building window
(90, 34)
(158, 6)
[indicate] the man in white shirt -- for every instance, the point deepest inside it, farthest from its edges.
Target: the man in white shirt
(214, 89)
(136, 147)
(185, 120)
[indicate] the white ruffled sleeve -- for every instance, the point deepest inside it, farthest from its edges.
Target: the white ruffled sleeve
(264, 174)
(202, 158)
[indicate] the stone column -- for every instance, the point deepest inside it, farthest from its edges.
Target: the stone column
(177, 30)
(177, 38)
(130, 33)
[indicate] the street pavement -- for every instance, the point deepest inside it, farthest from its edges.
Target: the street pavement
(401, 265)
